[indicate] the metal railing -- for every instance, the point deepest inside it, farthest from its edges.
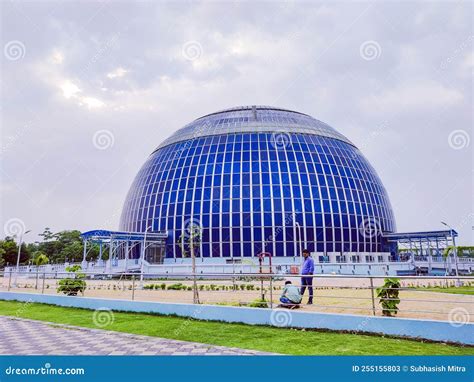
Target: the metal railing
(419, 295)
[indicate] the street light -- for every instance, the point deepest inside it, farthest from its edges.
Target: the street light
(300, 249)
(18, 257)
(143, 257)
(455, 249)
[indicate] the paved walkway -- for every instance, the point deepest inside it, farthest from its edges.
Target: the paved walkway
(27, 337)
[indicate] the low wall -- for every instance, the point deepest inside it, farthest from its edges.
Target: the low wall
(404, 327)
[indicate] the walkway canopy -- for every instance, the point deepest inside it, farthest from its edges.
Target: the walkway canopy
(422, 243)
(101, 235)
(125, 245)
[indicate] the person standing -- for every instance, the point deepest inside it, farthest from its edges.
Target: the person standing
(308, 269)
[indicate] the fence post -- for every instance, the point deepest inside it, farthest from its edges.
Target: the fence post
(44, 277)
(271, 291)
(372, 293)
(133, 288)
(10, 280)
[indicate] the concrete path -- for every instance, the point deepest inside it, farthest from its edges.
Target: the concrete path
(28, 337)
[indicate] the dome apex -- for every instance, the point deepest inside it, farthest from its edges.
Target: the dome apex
(253, 119)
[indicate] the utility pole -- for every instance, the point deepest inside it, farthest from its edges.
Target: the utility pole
(18, 257)
(192, 235)
(142, 257)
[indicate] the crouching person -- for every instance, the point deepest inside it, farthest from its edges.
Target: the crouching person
(291, 296)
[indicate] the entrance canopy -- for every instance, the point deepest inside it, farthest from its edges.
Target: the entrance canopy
(125, 245)
(422, 243)
(100, 235)
(425, 236)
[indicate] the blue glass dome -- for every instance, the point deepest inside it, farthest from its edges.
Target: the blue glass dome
(255, 179)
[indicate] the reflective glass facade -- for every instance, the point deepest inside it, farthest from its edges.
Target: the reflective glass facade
(248, 175)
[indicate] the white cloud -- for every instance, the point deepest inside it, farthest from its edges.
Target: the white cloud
(69, 89)
(91, 102)
(117, 73)
(57, 57)
(72, 91)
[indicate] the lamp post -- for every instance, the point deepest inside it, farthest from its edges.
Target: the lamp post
(143, 257)
(455, 249)
(299, 239)
(18, 257)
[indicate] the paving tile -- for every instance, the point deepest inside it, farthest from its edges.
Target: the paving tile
(21, 336)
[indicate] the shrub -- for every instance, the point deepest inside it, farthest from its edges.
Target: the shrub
(388, 295)
(177, 286)
(258, 303)
(72, 286)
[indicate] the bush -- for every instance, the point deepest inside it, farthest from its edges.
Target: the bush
(72, 286)
(258, 303)
(388, 295)
(177, 286)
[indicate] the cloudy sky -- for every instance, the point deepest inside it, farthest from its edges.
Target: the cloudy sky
(89, 89)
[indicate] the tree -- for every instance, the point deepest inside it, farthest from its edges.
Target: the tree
(64, 245)
(2, 261)
(72, 252)
(10, 251)
(50, 245)
(189, 242)
(39, 259)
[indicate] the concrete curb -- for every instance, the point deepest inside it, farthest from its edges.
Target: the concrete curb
(433, 330)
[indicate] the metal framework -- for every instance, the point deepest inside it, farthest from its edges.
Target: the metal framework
(424, 246)
(122, 244)
(424, 242)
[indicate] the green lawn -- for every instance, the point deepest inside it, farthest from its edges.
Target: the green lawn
(454, 290)
(285, 341)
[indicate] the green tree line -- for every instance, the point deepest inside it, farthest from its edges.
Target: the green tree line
(57, 247)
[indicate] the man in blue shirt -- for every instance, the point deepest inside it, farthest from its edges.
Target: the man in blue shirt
(308, 269)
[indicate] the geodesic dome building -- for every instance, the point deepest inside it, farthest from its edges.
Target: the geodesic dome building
(259, 178)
